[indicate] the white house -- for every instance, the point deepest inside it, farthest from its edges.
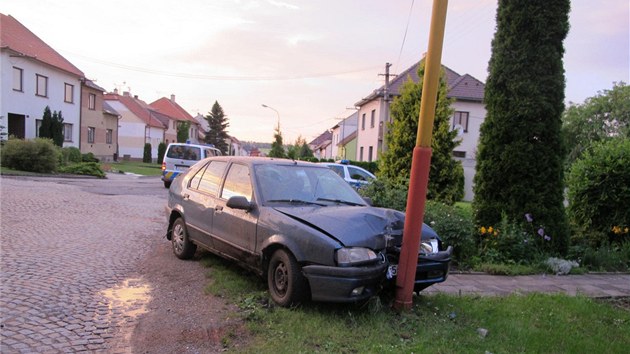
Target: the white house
(137, 126)
(34, 76)
(470, 111)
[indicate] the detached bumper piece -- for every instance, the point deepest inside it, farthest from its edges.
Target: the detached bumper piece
(339, 284)
(432, 268)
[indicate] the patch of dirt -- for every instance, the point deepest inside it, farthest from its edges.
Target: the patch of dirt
(619, 302)
(180, 317)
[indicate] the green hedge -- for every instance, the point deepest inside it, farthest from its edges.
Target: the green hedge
(599, 193)
(36, 155)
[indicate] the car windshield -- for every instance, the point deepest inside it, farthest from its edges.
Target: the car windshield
(304, 185)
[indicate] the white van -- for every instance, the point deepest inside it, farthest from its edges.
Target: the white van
(180, 156)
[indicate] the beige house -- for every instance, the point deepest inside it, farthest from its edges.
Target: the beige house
(99, 123)
(468, 104)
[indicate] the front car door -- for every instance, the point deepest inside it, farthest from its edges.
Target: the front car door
(200, 198)
(234, 230)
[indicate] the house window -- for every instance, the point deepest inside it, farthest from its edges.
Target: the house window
(461, 118)
(370, 154)
(461, 154)
(67, 132)
(108, 136)
(361, 154)
(18, 75)
(92, 102)
(91, 132)
(41, 87)
(38, 124)
(68, 93)
(372, 118)
(363, 122)
(175, 124)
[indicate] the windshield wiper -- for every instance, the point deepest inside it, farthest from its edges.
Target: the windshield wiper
(339, 201)
(294, 201)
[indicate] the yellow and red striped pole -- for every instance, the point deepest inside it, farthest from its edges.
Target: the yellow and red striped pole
(421, 161)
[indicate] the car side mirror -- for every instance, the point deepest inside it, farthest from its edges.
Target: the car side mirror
(368, 200)
(239, 202)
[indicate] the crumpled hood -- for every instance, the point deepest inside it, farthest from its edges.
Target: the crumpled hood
(353, 226)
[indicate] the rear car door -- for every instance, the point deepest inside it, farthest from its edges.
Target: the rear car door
(235, 229)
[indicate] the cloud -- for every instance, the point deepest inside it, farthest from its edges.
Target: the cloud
(283, 5)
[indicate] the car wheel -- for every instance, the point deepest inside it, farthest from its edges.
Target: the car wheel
(182, 247)
(167, 184)
(287, 285)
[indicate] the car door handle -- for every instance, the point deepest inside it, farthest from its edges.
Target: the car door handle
(186, 196)
(218, 208)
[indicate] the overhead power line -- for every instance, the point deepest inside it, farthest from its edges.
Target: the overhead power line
(222, 77)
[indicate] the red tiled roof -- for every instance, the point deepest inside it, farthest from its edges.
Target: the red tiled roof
(172, 109)
(16, 37)
(137, 107)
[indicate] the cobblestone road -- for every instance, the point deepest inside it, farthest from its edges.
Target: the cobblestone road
(69, 253)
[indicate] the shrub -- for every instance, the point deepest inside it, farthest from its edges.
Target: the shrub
(146, 157)
(71, 154)
(89, 157)
(510, 242)
(84, 168)
(599, 193)
(615, 257)
(387, 193)
(161, 153)
(454, 226)
(36, 155)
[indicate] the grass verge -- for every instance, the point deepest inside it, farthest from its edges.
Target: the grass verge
(139, 168)
(436, 324)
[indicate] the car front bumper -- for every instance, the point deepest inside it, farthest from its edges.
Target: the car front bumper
(432, 269)
(339, 284)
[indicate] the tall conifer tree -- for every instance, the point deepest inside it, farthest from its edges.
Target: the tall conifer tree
(277, 147)
(446, 177)
(218, 123)
(520, 153)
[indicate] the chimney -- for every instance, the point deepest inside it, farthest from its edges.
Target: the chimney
(135, 96)
(172, 97)
(126, 93)
(115, 91)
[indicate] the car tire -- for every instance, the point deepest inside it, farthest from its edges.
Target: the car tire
(182, 247)
(287, 285)
(167, 184)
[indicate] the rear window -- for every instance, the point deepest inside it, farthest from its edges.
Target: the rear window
(184, 152)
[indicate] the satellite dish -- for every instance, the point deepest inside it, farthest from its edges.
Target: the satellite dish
(460, 131)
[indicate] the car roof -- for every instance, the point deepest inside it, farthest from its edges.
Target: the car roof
(255, 160)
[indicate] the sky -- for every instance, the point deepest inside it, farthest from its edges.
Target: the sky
(310, 61)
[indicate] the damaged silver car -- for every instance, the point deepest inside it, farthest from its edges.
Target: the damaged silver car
(297, 224)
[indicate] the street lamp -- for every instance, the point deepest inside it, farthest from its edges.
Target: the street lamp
(275, 110)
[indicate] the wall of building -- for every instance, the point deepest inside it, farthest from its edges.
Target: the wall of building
(368, 135)
(30, 105)
(101, 122)
(470, 139)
